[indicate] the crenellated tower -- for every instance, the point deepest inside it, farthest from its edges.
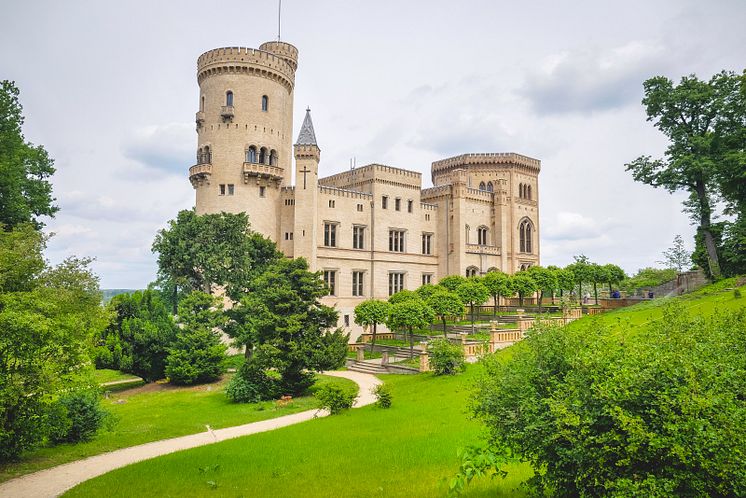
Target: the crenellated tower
(307, 157)
(244, 131)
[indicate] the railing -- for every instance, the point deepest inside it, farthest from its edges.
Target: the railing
(200, 118)
(227, 112)
(199, 174)
(482, 249)
(262, 170)
(204, 157)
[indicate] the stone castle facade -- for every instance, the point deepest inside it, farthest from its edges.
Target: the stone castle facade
(372, 230)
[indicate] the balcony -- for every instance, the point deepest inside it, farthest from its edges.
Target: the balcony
(200, 174)
(262, 171)
(200, 119)
(226, 112)
(480, 249)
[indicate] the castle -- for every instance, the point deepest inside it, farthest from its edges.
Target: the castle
(372, 230)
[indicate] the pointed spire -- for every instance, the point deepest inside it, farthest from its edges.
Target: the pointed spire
(307, 136)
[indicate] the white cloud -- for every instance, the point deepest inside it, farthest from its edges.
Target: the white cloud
(166, 147)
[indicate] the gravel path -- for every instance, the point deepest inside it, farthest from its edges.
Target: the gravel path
(55, 481)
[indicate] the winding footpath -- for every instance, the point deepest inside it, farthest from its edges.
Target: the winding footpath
(55, 481)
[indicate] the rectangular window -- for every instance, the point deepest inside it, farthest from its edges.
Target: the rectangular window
(332, 204)
(426, 242)
(357, 283)
(396, 283)
(410, 206)
(262, 190)
(397, 204)
(358, 237)
(222, 189)
(360, 207)
(231, 189)
(330, 234)
(385, 202)
(347, 320)
(427, 278)
(396, 240)
(330, 279)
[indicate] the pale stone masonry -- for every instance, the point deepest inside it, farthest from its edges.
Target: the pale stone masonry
(372, 230)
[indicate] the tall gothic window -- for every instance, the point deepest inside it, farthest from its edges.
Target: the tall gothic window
(482, 236)
(265, 103)
(490, 188)
(273, 158)
(251, 155)
(229, 98)
(525, 232)
(529, 193)
(263, 155)
(482, 186)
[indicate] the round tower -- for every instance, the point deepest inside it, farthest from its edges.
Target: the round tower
(244, 131)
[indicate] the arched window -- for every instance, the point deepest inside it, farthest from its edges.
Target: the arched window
(528, 196)
(520, 190)
(482, 186)
(523, 267)
(526, 233)
(472, 271)
(466, 233)
(251, 154)
(489, 187)
(202, 103)
(229, 98)
(265, 103)
(263, 155)
(482, 236)
(273, 157)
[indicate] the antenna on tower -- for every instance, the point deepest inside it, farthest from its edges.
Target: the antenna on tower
(279, 18)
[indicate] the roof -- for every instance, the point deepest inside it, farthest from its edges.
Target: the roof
(307, 136)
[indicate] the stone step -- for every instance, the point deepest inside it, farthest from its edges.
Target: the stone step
(359, 366)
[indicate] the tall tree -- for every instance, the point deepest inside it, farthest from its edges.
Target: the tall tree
(472, 292)
(614, 275)
(524, 284)
(598, 275)
(445, 304)
(410, 315)
(25, 191)
(699, 118)
(371, 313)
(676, 256)
(498, 284)
(582, 272)
(546, 280)
(451, 282)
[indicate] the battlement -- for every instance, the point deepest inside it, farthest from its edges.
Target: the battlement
(284, 50)
(373, 172)
(433, 192)
(341, 192)
(248, 60)
(485, 159)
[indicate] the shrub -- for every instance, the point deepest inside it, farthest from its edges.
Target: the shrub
(252, 384)
(76, 417)
(446, 358)
(335, 399)
(196, 356)
(383, 396)
(737, 293)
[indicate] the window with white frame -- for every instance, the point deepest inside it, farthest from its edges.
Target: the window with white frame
(427, 278)
(396, 240)
(357, 283)
(358, 237)
(426, 243)
(330, 279)
(396, 282)
(330, 234)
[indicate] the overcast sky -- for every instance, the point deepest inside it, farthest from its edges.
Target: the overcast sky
(109, 88)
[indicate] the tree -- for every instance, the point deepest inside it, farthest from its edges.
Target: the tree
(427, 290)
(523, 284)
(648, 277)
(409, 315)
(138, 338)
(546, 280)
(25, 169)
(446, 358)
(285, 328)
(404, 295)
(371, 313)
(703, 122)
(677, 257)
(565, 279)
(598, 275)
(202, 252)
(47, 317)
(444, 304)
(582, 272)
(451, 282)
(472, 292)
(614, 275)
(197, 354)
(497, 284)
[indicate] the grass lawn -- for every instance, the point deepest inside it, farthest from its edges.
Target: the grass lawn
(153, 412)
(369, 355)
(108, 375)
(408, 450)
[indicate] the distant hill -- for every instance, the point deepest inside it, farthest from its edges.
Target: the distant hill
(109, 293)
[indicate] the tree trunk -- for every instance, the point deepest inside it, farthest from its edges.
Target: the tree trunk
(373, 341)
(704, 224)
(520, 299)
(445, 334)
(610, 291)
(495, 299)
(176, 299)
(472, 317)
(541, 299)
(595, 292)
(411, 343)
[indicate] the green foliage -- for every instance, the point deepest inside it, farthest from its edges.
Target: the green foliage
(427, 290)
(498, 285)
(730, 240)
(253, 382)
(25, 169)
(676, 256)
(659, 413)
(335, 398)
(403, 295)
(451, 282)
(476, 461)
(565, 279)
(383, 396)
(648, 277)
(445, 304)
(76, 416)
(138, 337)
(446, 358)
(371, 313)
(524, 284)
(410, 315)
(47, 316)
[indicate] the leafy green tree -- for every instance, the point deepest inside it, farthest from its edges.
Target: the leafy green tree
(451, 282)
(598, 275)
(546, 281)
(197, 354)
(410, 315)
(660, 413)
(47, 318)
(676, 256)
(283, 319)
(404, 295)
(25, 169)
(427, 290)
(139, 336)
(614, 275)
(648, 277)
(474, 293)
(524, 284)
(703, 121)
(371, 313)
(498, 285)
(203, 252)
(445, 304)
(582, 272)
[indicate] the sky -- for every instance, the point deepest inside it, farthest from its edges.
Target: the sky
(110, 90)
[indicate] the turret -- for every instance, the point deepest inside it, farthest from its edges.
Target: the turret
(307, 157)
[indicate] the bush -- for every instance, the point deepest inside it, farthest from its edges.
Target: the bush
(76, 417)
(252, 384)
(196, 356)
(383, 396)
(660, 413)
(335, 399)
(446, 358)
